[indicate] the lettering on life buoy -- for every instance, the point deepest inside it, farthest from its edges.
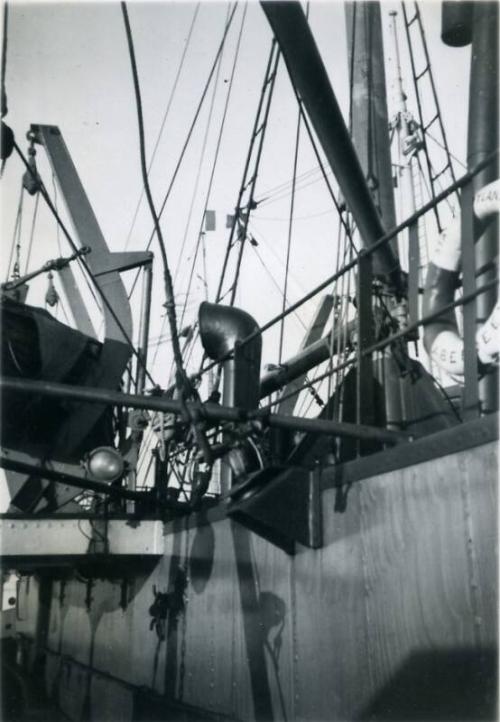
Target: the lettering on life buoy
(442, 339)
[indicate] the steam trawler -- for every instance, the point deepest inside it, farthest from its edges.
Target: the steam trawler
(310, 538)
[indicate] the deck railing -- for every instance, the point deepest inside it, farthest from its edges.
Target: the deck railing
(362, 265)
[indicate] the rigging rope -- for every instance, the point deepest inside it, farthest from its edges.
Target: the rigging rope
(164, 120)
(188, 137)
(182, 379)
(32, 234)
(289, 239)
(200, 165)
(299, 186)
(17, 229)
(4, 108)
(276, 284)
(257, 234)
(285, 185)
(214, 165)
(322, 167)
(58, 236)
(186, 388)
(214, 384)
(253, 180)
(219, 140)
(195, 188)
(445, 148)
(290, 224)
(438, 184)
(240, 220)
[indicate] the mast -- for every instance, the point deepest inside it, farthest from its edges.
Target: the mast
(369, 117)
(370, 134)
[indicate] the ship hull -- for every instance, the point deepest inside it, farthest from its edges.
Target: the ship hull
(395, 617)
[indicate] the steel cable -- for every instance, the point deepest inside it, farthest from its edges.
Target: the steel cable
(16, 233)
(188, 137)
(289, 239)
(219, 140)
(164, 120)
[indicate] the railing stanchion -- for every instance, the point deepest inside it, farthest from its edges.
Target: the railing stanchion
(470, 397)
(364, 365)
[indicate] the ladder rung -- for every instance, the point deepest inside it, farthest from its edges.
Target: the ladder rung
(249, 182)
(424, 71)
(440, 173)
(410, 22)
(426, 127)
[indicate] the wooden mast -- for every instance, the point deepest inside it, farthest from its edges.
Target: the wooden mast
(370, 134)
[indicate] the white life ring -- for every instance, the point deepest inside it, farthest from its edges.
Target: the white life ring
(441, 338)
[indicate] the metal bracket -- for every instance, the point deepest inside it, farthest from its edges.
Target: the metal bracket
(281, 505)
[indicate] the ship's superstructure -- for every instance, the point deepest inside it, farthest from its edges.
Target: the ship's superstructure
(312, 540)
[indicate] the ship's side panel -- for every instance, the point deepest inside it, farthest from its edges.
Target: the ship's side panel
(482, 540)
(329, 616)
(230, 650)
(394, 618)
(147, 662)
(418, 601)
(403, 592)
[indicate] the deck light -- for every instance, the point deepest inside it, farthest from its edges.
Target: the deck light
(105, 463)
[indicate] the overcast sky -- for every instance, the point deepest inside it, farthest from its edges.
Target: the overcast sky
(68, 65)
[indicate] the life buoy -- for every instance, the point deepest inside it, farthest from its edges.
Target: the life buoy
(442, 339)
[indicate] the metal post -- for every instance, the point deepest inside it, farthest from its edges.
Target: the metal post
(470, 395)
(413, 273)
(364, 365)
(483, 140)
(364, 368)
(142, 355)
(369, 116)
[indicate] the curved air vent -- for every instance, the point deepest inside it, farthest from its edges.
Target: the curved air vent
(222, 328)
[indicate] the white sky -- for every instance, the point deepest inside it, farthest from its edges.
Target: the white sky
(68, 65)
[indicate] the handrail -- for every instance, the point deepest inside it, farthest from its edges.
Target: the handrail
(209, 411)
(407, 331)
